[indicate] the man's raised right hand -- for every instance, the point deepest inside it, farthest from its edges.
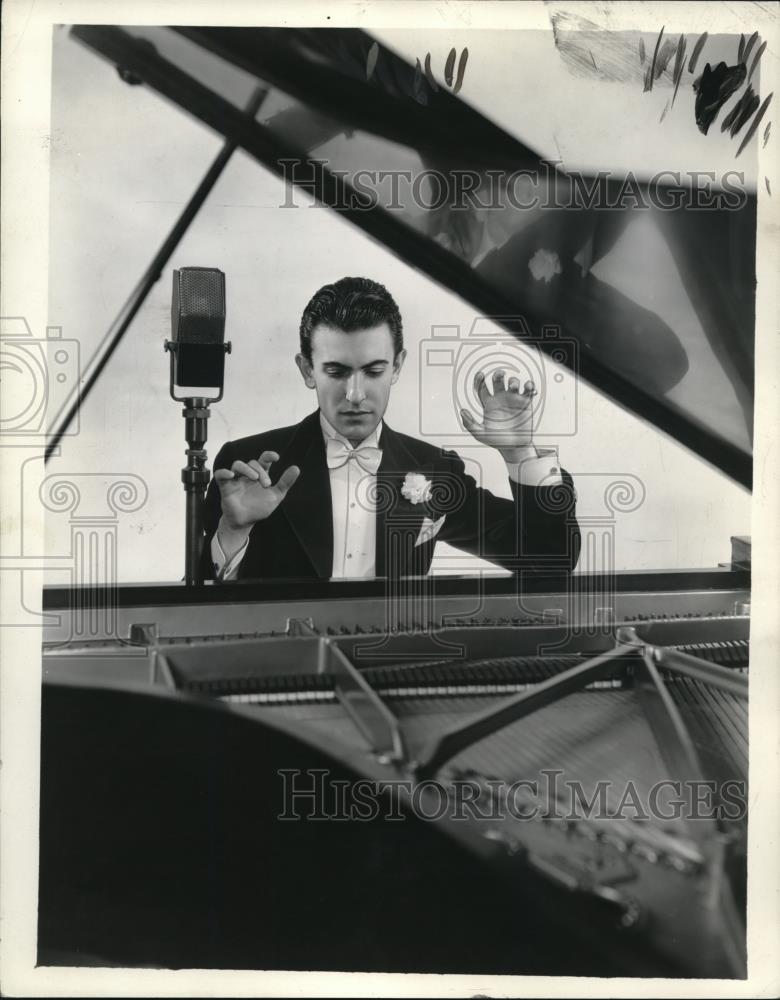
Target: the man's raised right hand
(247, 493)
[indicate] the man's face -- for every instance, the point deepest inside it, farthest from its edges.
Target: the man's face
(352, 373)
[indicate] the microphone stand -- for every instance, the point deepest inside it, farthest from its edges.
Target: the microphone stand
(195, 476)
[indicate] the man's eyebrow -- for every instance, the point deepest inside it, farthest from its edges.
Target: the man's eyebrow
(339, 364)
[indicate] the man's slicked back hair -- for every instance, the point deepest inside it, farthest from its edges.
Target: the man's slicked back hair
(351, 304)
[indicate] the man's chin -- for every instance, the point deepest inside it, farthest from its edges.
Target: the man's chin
(360, 424)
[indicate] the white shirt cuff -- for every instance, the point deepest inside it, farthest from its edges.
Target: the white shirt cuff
(541, 470)
(224, 568)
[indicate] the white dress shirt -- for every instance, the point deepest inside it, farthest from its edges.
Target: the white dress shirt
(353, 509)
(353, 503)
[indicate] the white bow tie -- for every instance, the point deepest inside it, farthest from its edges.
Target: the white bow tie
(367, 457)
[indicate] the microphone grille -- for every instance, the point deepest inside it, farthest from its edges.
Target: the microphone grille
(202, 291)
(198, 305)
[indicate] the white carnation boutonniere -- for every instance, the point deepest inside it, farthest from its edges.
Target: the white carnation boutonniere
(544, 265)
(416, 488)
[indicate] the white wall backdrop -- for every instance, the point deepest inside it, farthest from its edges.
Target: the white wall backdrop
(123, 164)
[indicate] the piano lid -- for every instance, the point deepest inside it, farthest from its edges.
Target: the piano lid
(649, 299)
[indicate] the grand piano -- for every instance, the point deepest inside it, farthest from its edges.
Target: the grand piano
(557, 770)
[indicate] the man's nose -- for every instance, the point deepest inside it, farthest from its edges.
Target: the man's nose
(355, 391)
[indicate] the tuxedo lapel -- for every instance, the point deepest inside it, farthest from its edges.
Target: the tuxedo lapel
(307, 506)
(398, 522)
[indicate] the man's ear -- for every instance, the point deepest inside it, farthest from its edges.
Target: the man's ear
(398, 364)
(306, 370)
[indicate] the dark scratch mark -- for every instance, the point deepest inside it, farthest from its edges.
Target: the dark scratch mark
(464, 56)
(560, 154)
(373, 53)
(755, 123)
(713, 88)
(768, 188)
(418, 87)
(766, 133)
(651, 72)
(592, 59)
(429, 73)
(697, 52)
(749, 47)
(679, 66)
(663, 113)
(741, 48)
(642, 53)
(449, 66)
(756, 57)
(664, 57)
(741, 111)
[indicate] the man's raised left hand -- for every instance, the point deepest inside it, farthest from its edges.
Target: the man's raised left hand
(507, 415)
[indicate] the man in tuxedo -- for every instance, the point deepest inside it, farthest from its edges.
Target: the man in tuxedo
(357, 499)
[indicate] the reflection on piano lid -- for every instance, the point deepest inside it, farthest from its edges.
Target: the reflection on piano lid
(693, 380)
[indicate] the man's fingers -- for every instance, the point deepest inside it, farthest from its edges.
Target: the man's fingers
(529, 389)
(498, 380)
(256, 470)
(287, 479)
(514, 384)
(263, 478)
(469, 422)
(242, 469)
(480, 387)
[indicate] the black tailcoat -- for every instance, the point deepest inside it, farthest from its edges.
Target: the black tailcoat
(536, 530)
